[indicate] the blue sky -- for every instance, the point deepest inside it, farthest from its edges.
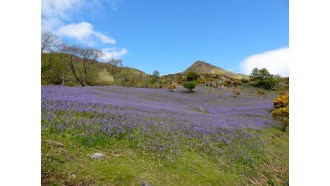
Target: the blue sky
(169, 35)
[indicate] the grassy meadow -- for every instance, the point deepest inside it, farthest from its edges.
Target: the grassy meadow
(158, 137)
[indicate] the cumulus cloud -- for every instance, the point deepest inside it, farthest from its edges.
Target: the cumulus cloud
(275, 61)
(56, 16)
(113, 53)
(78, 31)
(104, 38)
(58, 8)
(83, 32)
(54, 12)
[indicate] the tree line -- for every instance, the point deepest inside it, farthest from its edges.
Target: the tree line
(66, 64)
(73, 65)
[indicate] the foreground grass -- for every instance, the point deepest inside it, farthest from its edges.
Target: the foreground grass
(274, 169)
(68, 163)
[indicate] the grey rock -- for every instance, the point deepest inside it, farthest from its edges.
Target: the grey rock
(201, 109)
(145, 183)
(98, 156)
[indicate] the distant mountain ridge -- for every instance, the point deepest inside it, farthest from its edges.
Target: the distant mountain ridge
(202, 67)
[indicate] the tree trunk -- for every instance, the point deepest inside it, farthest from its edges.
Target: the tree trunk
(74, 73)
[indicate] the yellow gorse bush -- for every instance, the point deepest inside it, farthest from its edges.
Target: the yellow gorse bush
(281, 112)
(281, 101)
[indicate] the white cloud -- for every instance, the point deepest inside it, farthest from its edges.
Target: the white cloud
(50, 24)
(275, 61)
(113, 53)
(55, 14)
(83, 32)
(78, 31)
(67, 10)
(104, 38)
(58, 8)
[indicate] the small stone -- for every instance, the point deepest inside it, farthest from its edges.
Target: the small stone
(98, 156)
(201, 109)
(145, 183)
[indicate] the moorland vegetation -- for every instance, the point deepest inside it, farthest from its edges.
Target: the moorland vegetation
(203, 126)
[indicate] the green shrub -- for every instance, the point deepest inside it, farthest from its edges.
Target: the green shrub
(192, 76)
(270, 82)
(189, 85)
(263, 78)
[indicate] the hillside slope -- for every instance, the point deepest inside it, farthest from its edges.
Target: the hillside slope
(202, 67)
(56, 70)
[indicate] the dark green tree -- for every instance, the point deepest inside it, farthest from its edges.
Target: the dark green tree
(192, 76)
(270, 82)
(190, 85)
(155, 73)
(155, 79)
(259, 75)
(263, 78)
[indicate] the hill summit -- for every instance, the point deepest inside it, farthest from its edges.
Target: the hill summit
(202, 67)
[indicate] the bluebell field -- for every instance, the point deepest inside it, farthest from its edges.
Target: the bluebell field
(162, 123)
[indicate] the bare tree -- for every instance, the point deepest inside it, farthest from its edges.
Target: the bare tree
(50, 44)
(113, 67)
(72, 52)
(88, 55)
(125, 77)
